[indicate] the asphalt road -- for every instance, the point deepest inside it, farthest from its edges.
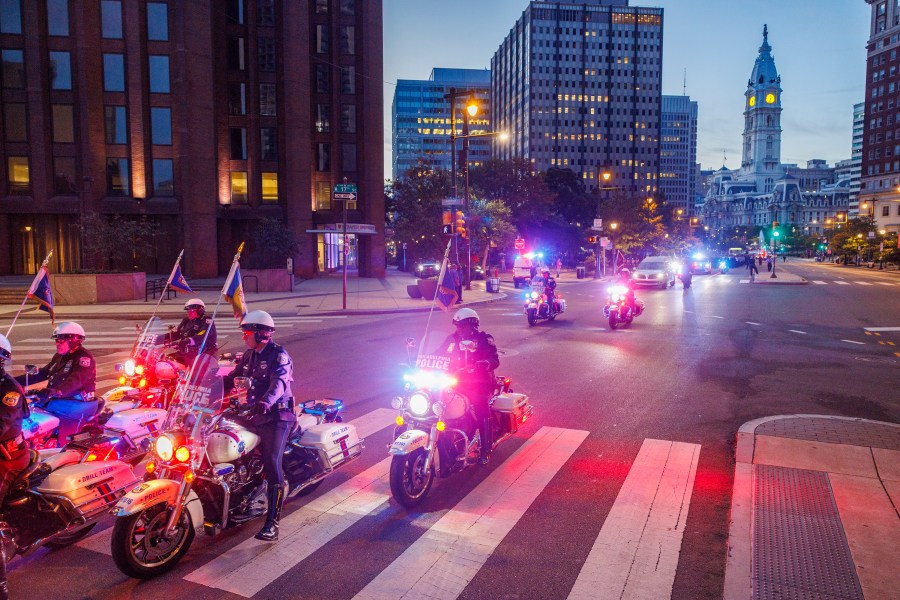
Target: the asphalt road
(693, 368)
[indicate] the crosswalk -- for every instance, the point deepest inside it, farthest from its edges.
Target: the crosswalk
(36, 349)
(635, 555)
(832, 282)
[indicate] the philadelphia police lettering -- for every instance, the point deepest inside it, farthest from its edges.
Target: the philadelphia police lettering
(432, 361)
(197, 395)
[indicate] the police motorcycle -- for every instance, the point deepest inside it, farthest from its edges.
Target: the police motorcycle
(41, 428)
(617, 311)
(437, 433)
(538, 307)
(206, 471)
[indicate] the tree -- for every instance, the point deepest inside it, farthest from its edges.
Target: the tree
(489, 225)
(415, 208)
(115, 243)
(639, 223)
(272, 244)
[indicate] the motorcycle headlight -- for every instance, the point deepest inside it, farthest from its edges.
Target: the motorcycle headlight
(182, 454)
(164, 448)
(396, 403)
(534, 295)
(129, 367)
(419, 404)
(437, 408)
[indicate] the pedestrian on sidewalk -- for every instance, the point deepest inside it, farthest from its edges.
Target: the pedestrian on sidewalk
(558, 266)
(769, 264)
(456, 281)
(752, 267)
(784, 258)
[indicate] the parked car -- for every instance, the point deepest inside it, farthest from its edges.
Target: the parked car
(427, 268)
(655, 271)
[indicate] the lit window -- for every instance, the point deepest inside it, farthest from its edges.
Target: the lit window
(18, 174)
(239, 187)
(270, 187)
(323, 196)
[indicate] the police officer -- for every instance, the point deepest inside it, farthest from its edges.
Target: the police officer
(476, 379)
(13, 450)
(71, 377)
(625, 280)
(549, 285)
(190, 332)
(270, 370)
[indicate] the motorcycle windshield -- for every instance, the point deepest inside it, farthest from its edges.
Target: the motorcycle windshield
(198, 399)
(150, 341)
(432, 366)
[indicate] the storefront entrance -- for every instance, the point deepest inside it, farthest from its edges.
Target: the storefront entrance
(329, 249)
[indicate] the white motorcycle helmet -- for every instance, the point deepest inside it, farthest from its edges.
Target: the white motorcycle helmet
(195, 303)
(260, 323)
(69, 330)
(466, 314)
(5, 350)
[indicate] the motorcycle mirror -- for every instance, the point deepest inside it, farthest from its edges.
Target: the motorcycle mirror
(242, 383)
(411, 342)
(119, 367)
(31, 369)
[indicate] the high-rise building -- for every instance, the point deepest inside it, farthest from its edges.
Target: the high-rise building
(856, 152)
(202, 117)
(422, 120)
(678, 153)
(880, 176)
(578, 85)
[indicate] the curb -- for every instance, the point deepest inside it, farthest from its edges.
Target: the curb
(739, 545)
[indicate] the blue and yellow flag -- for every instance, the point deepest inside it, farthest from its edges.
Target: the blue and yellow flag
(233, 291)
(41, 291)
(177, 280)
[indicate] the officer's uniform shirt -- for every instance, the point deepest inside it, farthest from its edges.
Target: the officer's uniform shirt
(271, 373)
(486, 350)
(190, 333)
(69, 374)
(13, 408)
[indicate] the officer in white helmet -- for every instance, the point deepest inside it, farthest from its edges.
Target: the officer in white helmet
(188, 336)
(475, 370)
(271, 372)
(71, 377)
(13, 450)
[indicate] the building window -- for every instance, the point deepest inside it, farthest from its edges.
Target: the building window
(11, 16)
(266, 49)
(161, 126)
(18, 174)
(323, 122)
(116, 125)
(239, 187)
(270, 187)
(236, 53)
(118, 177)
(268, 143)
(266, 12)
(64, 175)
(159, 74)
(157, 21)
(163, 177)
(322, 39)
(348, 160)
(348, 39)
(348, 7)
(238, 143)
(15, 125)
(885, 211)
(237, 99)
(321, 7)
(113, 73)
(348, 80)
(58, 17)
(13, 68)
(111, 19)
(267, 103)
(323, 195)
(235, 11)
(60, 71)
(63, 123)
(322, 86)
(323, 157)
(348, 118)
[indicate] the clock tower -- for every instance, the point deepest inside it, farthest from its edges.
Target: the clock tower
(761, 156)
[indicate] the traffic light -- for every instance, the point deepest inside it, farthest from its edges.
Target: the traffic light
(461, 224)
(446, 229)
(592, 239)
(774, 225)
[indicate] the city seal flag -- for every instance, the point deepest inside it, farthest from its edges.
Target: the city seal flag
(41, 291)
(446, 293)
(177, 280)
(234, 291)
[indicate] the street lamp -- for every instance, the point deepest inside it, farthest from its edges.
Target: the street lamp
(774, 255)
(606, 176)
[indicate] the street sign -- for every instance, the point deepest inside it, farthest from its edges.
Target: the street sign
(604, 242)
(452, 202)
(871, 235)
(520, 244)
(345, 188)
(598, 224)
(404, 245)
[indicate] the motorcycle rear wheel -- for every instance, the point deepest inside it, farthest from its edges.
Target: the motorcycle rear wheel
(409, 485)
(67, 540)
(140, 552)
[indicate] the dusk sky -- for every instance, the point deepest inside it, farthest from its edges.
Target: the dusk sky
(818, 45)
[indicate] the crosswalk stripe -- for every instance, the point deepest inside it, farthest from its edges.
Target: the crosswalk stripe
(863, 283)
(817, 282)
(366, 425)
(842, 283)
(745, 281)
(636, 553)
(884, 283)
(442, 562)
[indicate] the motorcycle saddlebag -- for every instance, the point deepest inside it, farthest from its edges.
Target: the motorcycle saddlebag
(39, 424)
(510, 402)
(91, 487)
(335, 443)
(561, 304)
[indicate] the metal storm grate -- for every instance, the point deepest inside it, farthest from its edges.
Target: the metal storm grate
(799, 548)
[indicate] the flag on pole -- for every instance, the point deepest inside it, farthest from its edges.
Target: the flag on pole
(41, 291)
(233, 291)
(177, 280)
(446, 292)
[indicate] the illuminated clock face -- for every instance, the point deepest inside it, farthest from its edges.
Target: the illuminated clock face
(752, 100)
(770, 98)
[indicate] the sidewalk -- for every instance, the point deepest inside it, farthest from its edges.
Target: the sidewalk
(320, 296)
(814, 509)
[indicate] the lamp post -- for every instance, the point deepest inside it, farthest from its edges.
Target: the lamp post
(604, 175)
(471, 109)
(774, 255)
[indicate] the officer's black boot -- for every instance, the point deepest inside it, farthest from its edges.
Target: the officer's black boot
(269, 532)
(484, 431)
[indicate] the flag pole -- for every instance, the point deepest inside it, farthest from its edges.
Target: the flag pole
(168, 281)
(441, 274)
(30, 289)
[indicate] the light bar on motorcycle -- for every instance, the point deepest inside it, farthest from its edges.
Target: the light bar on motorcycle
(430, 380)
(419, 404)
(139, 369)
(534, 294)
(129, 368)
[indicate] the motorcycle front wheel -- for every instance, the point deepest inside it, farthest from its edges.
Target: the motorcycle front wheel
(613, 318)
(532, 318)
(409, 481)
(139, 548)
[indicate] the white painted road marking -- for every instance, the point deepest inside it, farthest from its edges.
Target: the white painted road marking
(863, 283)
(795, 331)
(853, 342)
(636, 553)
(884, 283)
(745, 281)
(816, 281)
(842, 283)
(716, 317)
(442, 562)
(751, 323)
(882, 328)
